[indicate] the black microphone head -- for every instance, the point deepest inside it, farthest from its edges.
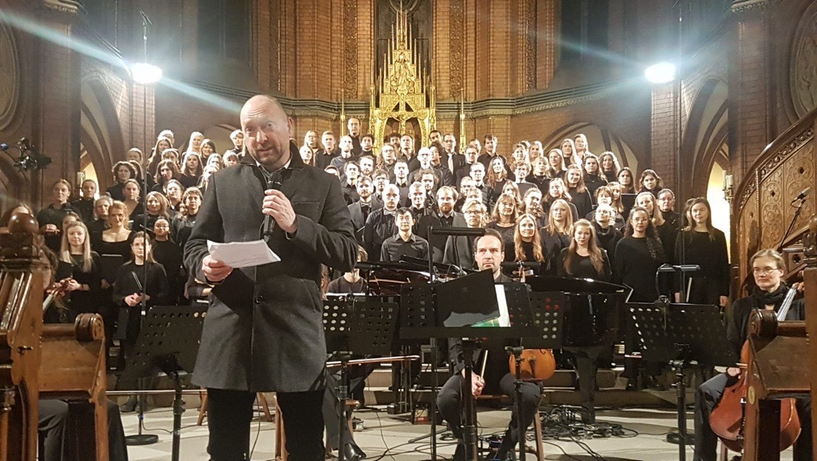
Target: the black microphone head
(4, 146)
(274, 181)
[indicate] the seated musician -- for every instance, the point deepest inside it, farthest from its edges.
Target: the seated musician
(767, 268)
(489, 252)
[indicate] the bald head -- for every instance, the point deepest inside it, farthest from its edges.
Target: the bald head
(266, 131)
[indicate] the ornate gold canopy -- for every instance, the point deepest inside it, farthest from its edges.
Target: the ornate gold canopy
(401, 91)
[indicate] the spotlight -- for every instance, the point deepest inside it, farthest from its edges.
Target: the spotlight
(145, 74)
(663, 72)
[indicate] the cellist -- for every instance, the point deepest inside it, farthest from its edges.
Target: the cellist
(768, 268)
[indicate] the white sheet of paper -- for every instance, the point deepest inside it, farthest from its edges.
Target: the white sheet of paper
(242, 254)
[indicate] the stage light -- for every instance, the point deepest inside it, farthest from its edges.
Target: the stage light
(145, 74)
(663, 72)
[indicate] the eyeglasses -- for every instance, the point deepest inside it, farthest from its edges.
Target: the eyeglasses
(764, 270)
(637, 220)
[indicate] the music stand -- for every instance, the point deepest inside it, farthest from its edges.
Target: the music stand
(425, 312)
(356, 327)
(679, 334)
(168, 341)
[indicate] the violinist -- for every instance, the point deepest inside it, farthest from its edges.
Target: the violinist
(768, 268)
(489, 253)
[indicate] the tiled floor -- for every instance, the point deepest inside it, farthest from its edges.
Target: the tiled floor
(387, 434)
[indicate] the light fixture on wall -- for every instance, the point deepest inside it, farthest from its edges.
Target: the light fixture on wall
(145, 74)
(662, 72)
(728, 187)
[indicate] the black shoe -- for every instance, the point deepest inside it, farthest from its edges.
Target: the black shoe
(353, 452)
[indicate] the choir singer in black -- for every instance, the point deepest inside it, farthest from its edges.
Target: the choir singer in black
(263, 330)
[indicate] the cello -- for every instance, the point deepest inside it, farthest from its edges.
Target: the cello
(728, 417)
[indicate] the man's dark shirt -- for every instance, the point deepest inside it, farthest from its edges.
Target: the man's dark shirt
(394, 247)
(379, 227)
(322, 159)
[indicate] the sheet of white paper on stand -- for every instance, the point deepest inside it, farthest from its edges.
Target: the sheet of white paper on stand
(242, 254)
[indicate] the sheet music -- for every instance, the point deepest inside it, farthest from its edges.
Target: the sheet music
(242, 254)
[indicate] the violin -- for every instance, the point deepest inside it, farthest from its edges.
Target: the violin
(537, 364)
(728, 417)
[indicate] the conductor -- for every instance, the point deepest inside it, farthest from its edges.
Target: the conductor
(263, 330)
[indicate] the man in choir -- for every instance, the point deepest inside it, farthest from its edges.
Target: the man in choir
(408, 153)
(446, 176)
(444, 217)
(451, 158)
(351, 173)
(401, 180)
(424, 158)
(435, 136)
(323, 158)
(380, 224)
(490, 151)
(345, 146)
(405, 242)
(768, 269)
(381, 180)
(366, 165)
(469, 158)
(459, 249)
(368, 202)
(478, 175)
(417, 196)
(354, 133)
(394, 141)
(366, 145)
(489, 253)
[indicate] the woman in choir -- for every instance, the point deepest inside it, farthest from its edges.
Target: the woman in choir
(557, 191)
(503, 219)
(136, 298)
(131, 190)
(115, 240)
(215, 161)
(557, 164)
(50, 218)
(166, 171)
(191, 169)
(208, 147)
(556, 234)
(156, 208)
(581, 149)
(535, 151)
(95, 227)
(533, 206)
(307, 155)
(568, 148)
(122, 171)
(539, 174)
(593, 178)
(618, 205)
(584, 259)
(520, 154)
(162, 144)
(609, 166)
(666, 233)
(84, 284)
(625, 179)
(497, 177)
(579, 195)
(651, 182)
(194, 145)
(638, 256)
(528, 243)
(231, 158)
(169, 255)
(144, 183)
(702, 244)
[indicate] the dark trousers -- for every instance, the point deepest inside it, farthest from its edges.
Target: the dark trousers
(706, 442)
(450, 398)
(229, 413)
(332, 413)
(53, 424)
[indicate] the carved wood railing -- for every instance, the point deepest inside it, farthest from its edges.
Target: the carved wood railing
(761, 207)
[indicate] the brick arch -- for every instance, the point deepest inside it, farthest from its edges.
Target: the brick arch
(703, 137)
(101, 129)
(599, 138)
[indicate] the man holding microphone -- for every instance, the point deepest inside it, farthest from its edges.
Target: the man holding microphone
(264, 330)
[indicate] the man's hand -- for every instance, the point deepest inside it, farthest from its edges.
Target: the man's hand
(724, 301)
(214, 270)
(477, 383)
(133, 300)
(50, 229)
(277, 205)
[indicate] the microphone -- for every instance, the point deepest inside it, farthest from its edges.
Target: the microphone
(273, 183)
(802, 195)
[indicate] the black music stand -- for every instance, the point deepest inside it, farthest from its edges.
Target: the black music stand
(168, 341)
(427, 311)
(680, 334)
(356, 327)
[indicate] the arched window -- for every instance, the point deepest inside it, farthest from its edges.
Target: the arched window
(584, 28)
